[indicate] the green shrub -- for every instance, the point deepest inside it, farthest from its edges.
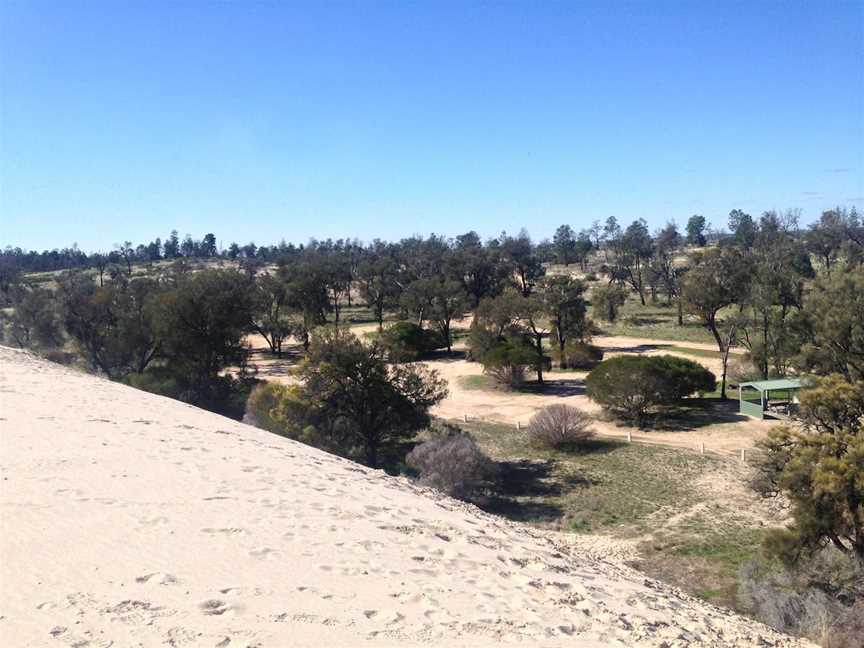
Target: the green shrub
(579, 355)
(631, 386)
(224, 395)
(262, 408)
(507, 361)
(606, 301)
(480, 341)
(406, 341)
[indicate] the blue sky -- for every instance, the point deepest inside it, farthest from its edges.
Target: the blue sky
(261, 121)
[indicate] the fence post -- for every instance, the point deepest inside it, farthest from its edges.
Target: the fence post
(743, 460)
(702, 448)
(629, 437)
(518, 425)
(465, 417)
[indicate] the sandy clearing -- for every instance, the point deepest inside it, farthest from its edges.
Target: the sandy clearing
(131, 519)
(568, 387)
(728, 437)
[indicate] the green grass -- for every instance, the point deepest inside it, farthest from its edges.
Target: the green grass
(613, 484)
(655, 321)
(476, 382)
(627, 491)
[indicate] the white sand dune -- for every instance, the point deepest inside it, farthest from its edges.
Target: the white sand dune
(133, 520)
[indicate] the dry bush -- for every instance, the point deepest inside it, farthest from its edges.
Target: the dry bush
(815, 600)
(453, 464)
(742, 370)
(558, 426)
(848, 630)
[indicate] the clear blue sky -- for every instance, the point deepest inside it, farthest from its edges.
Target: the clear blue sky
(259, 121)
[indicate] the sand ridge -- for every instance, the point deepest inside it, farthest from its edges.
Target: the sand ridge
(129, 519)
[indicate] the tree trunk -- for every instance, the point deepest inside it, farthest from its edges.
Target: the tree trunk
(371, 453)
(680, 312)
(539, 359)
(712, 326)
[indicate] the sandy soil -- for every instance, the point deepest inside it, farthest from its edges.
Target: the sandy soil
(133, 520)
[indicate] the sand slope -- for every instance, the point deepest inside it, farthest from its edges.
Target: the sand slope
(134, 520)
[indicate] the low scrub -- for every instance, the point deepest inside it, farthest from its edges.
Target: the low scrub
(821, 599)
(508, 361)
(579, 355)
(559, 426)
(225, 395)
(406, 341)
(633, 386)
(452, 463)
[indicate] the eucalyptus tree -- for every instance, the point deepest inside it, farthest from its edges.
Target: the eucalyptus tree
(718, 279)
(564, 245)
(271, 315)
(519, 252)
(378, 282)
(564, 306)
(696, 225)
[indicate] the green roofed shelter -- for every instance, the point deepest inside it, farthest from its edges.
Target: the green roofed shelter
(766, 406)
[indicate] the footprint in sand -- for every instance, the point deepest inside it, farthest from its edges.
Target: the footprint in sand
(159, 578)
(387, 617)
(159, 520)
(213, 607)
(263, 552)
(224, 531)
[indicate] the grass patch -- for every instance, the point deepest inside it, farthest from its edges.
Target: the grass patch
(655, 321)
(479, 381)
(627, 491)
(609, 484)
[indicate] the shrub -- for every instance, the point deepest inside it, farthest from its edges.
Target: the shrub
(742, 370)
(224, 395)
(579, 355)
(406, 341)
(606, 301)
(480, 341)
(59, 356)
(630, 386)
(507, 361)
(591, 276)
(821, 599)
(558, 426)
(262, 408)
(848, 630)
(453, 464)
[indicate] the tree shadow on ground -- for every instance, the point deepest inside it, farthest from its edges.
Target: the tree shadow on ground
(559, 388)
(637, 348)
(525, 490)
(268, 365)
(445, 356)
(640, 320)
(698, 413)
